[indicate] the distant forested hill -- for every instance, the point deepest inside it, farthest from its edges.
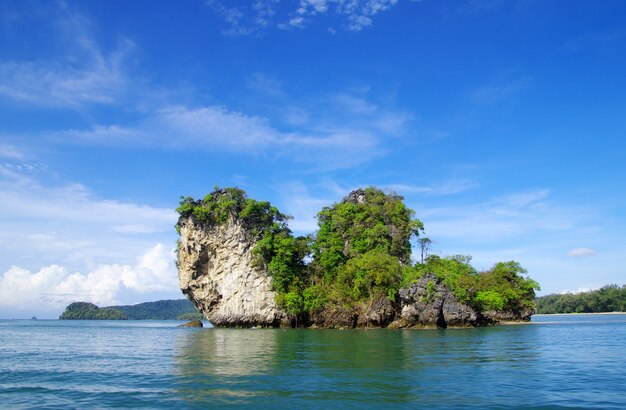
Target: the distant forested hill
(85, 310)
(609, 298)
(181, 309)
(160, 310)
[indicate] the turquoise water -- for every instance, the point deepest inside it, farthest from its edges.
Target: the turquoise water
(555, 362)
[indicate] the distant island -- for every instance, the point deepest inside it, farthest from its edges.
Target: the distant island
(609, 298)
(178, 309)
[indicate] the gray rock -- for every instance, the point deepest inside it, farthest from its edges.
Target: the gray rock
(519, 315)
(335, 318)
(217, 273)
(193, 323)
(380, 313)
(429, 303)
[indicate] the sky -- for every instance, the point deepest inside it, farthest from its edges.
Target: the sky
(502, 123)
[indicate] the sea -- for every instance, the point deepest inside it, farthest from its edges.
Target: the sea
(555, 362)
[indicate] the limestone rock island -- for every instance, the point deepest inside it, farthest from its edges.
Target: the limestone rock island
(240, 265)
(217, 273)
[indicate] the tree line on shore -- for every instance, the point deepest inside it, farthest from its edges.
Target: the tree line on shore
(179, 309)
(609, 298)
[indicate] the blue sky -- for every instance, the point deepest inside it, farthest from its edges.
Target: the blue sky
(502, 123)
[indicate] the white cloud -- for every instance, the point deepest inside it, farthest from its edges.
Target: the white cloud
(357, 13)
(60, 84)
(84, 73)
(501, 90)
(576, 291)
(10, 151)
(66, 224)
(53, 287)
(444, 188)
(581, 253)
(215, 128)
(605, 40)
(215, 125)
(354, 15)
(302, 206)
(520, 214)
(74, 203)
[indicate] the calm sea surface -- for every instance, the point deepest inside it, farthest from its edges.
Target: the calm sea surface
(555, 362)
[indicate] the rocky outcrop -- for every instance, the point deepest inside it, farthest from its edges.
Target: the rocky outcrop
(334, 317)
(217, 273)
(429, 303)
(519, 315)
(192, 323)
(380, 313)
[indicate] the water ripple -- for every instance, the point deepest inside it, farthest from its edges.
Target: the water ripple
(556, 362)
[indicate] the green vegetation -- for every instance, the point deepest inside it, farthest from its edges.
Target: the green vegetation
(222, 204)
(609, 298)
(190, 316)
(180, 309)
(501, 288)
(89, 311)
(361, 252)
(160, 310)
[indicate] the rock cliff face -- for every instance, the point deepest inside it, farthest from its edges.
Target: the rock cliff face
(428, 302)
(217, 274)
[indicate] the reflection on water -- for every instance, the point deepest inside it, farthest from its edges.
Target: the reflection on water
(300, 365)
(553, 363)
(364, 367)
(514, 366)
(225, 352)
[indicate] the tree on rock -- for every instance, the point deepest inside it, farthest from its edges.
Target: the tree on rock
(363, 242)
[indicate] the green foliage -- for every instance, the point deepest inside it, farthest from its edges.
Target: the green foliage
(89, 311)
(283, 257)
(315, 297)
(159, 310)
(505, 278)
(489, 300)
(191, 316)
(501, 288)
(371, 274)
(293, 302)
(363, 243)
(366, 220)
(609, 298)
(430, 291)
(223, 204)
(455, 272)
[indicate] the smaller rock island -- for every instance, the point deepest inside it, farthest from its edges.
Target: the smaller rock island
(192, 323)
(240, 265)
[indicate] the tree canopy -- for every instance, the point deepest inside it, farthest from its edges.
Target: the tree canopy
(609, 298)
(222, 204)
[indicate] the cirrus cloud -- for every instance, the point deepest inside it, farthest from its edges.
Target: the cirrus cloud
(354, 15)
(581, 253)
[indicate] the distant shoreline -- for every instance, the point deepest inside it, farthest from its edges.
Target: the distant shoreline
(563, 314)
